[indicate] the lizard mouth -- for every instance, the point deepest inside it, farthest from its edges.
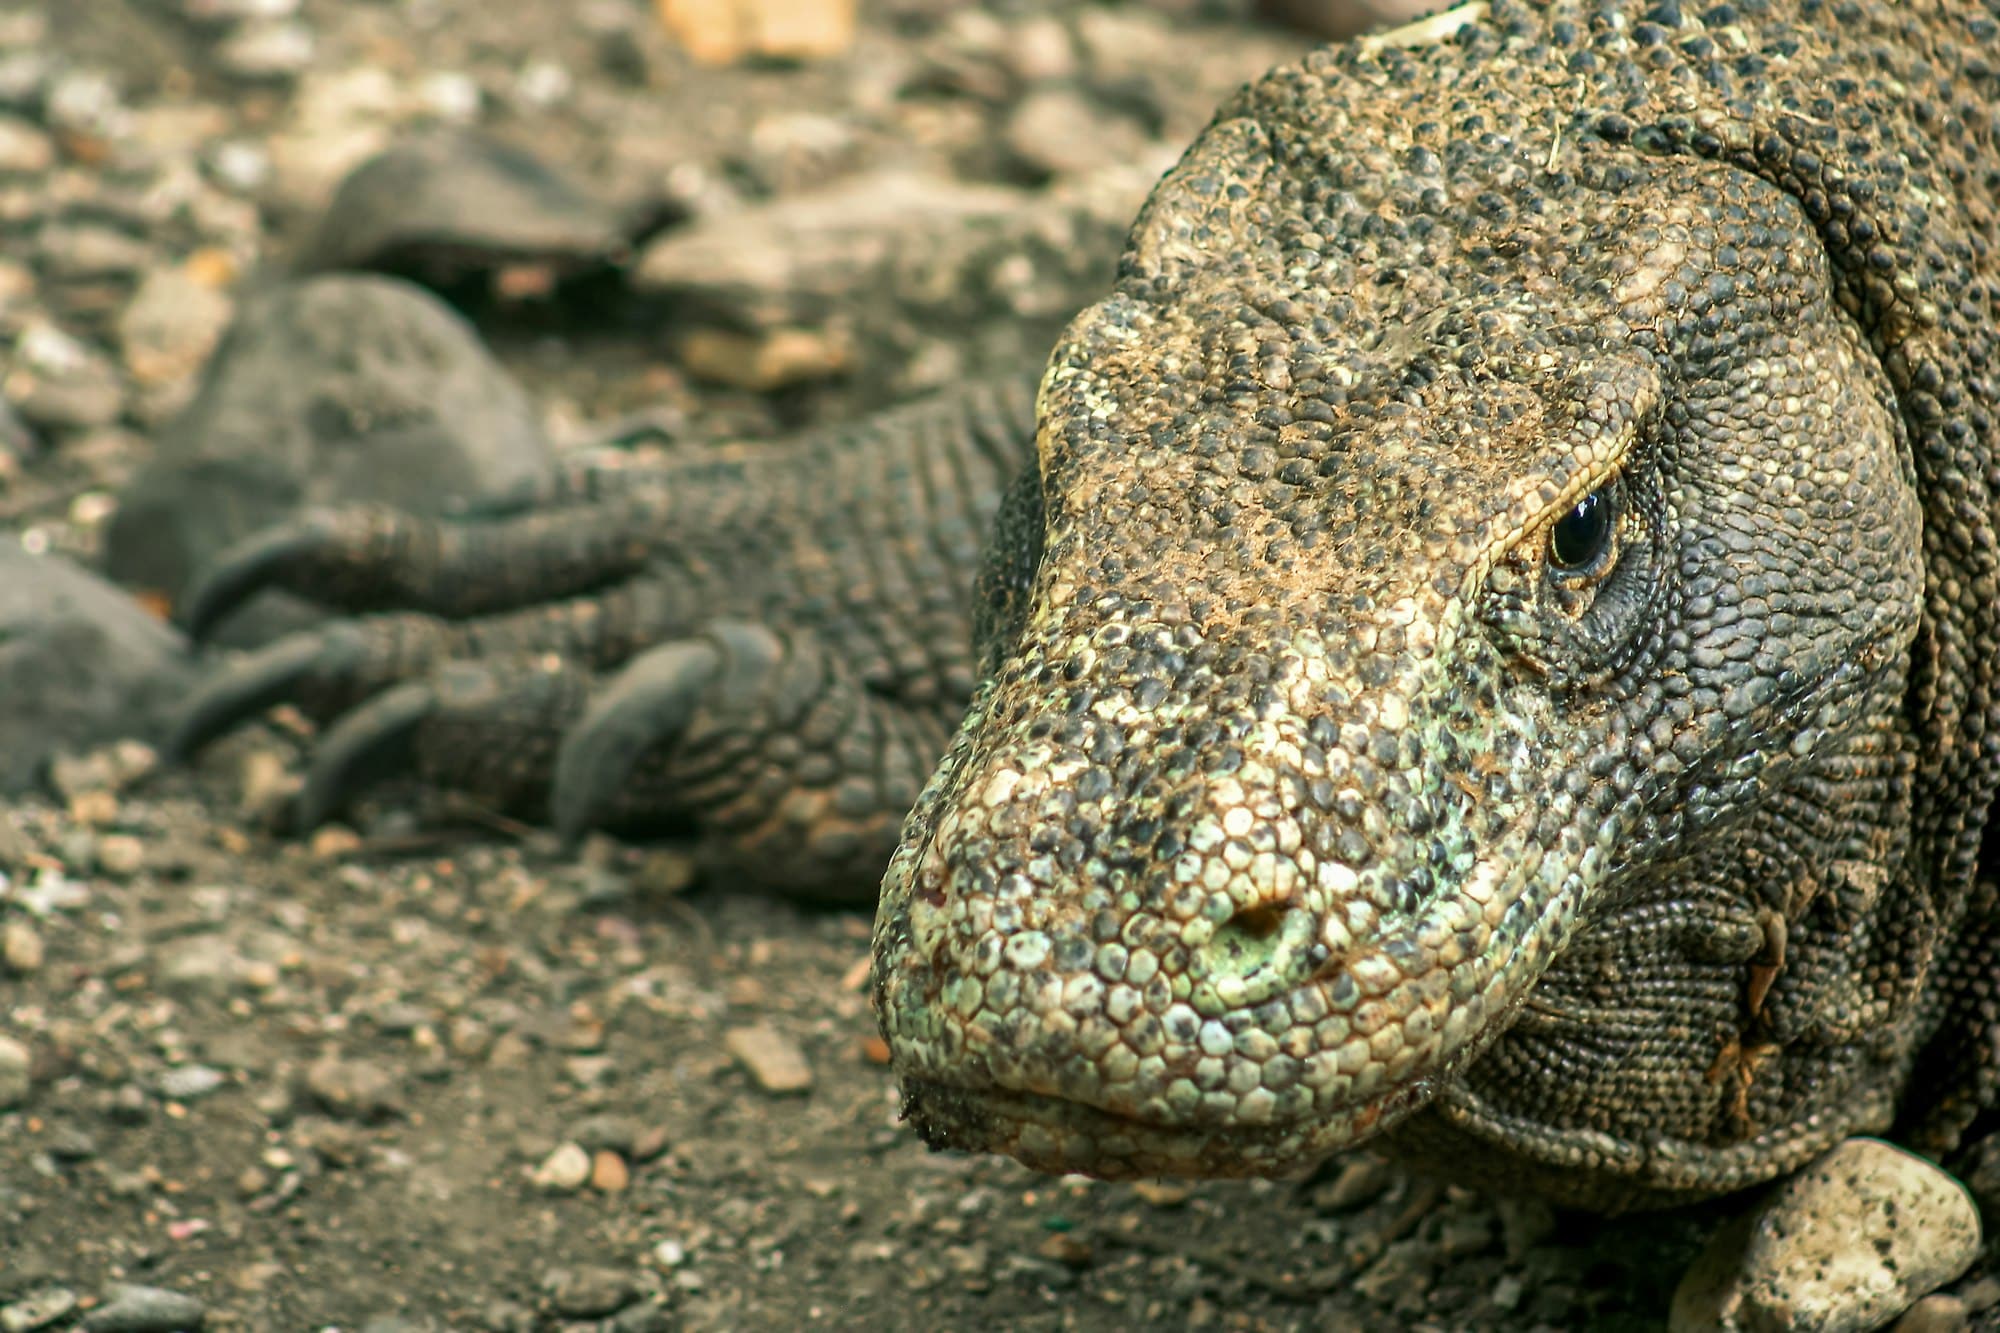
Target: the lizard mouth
(1060, 1136)
(1296, 1054)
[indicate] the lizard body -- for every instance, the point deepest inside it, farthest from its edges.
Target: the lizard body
(1493, 644)
(1501, 653)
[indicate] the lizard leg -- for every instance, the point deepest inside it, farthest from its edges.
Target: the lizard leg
(799, 773)
(369, 557)
(329, 670)
(792, 771)
(489, 728)
(794, 616)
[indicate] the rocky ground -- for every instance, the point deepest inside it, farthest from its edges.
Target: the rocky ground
(426, 1071)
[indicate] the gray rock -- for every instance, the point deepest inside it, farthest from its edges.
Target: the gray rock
(444, 205)
(135, 1309)
(80, 663)
(329, 391)
(1848, 1244)
(936, 278)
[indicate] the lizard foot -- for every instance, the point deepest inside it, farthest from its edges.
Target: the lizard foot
(765, 645)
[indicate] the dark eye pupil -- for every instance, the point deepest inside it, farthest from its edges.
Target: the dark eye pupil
(1583, 534)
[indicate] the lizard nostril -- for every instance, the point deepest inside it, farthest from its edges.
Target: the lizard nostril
(1248, 941)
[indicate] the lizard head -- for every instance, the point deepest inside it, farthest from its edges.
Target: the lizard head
(1463, 535)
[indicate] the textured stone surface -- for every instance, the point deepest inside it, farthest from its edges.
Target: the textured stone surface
(332, 389)
(1846, 1245)
(80, 663)
(437, 206)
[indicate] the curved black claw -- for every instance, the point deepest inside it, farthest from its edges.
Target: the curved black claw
(271, 675)
(650, 701)
(375, 741)
(648, 704)
(246, 569)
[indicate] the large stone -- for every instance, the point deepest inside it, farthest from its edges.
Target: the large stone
(333, 390)
(440, 206)
(938, 279)
(1847, 1244)
(81, 663)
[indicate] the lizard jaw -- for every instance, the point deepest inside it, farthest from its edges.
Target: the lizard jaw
(1182, 1094)
(1050, 1133)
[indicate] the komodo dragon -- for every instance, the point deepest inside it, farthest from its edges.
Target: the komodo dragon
(1494, 641)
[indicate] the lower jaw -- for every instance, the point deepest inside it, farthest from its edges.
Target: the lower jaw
(1064, 1137)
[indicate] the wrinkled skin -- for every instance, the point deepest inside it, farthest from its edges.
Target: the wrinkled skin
(1499, 646)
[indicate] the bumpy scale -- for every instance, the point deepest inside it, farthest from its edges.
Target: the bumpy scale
(1500, 647)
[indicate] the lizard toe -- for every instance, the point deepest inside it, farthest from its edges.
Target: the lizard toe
(260, 561)
(371, 743)
(273, 675)
(646, 706)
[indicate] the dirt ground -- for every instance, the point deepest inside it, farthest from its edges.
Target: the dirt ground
(427, 1071)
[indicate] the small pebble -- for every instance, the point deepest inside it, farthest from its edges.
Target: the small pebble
(60, 382)
(773, 1059)
(268, 52)
(120, 855)
(451, 96)
(135, 1309)
(651, 1317)
(723, 32)
(128, 1105)
(86, 252)
(66, 1143)
(24, 149)
(16, 1080)
(504, 1316)
(608, 1173)
(38, 1309)
(187, 1083)
(1935, 1314)
(201, 965)
(21, 947)
(173, 323)
(355, 1089)
(565, 1170)
(242, 166)
(87, 103)
(24, 78)
(588, 1291)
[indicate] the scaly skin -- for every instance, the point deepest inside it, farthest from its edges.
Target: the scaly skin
(1341, 766)
(763, 645)
(1500, 649)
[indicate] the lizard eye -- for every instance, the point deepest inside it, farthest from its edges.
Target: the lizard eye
(1580, 542)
